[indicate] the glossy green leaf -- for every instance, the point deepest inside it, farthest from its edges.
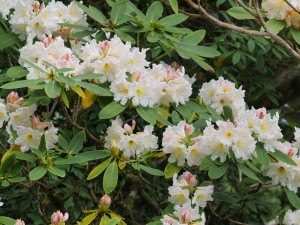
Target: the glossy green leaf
(146, 113)
(152, 37)
(82, 34)
(16, 72)
(154, 12)
(174, 5)
(172, 20)
(7, 221)
(7, 163)
(283, 157)
(56, 171)
(37, 173)
(112, 109)
(110, 178)
(262, 154)
(240, 13)
(296, 34)
(89, 218)
(248, 172)
(21, 84)
(216, 171)
(293, 198)
(53, 89)
(76, 144)
(96, 89)
(7, 40)
(227, 111)
(88, 76)
(98, 169)
(194, 37)
(171, 169)
(275, 26)
(152, 171)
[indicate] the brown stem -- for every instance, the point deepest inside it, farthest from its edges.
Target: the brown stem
(53, 107)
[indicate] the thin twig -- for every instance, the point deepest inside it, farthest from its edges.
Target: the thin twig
(53, 107)
(293, 7)
(240, 3)
(259, 16)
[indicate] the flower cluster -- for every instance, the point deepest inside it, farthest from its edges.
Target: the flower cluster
(218, 93)
(50, 51)
(58, 218)
(187, 198)
(280, 10)
(25, 129)
(127, 69)
(31, 19)
(122, 138)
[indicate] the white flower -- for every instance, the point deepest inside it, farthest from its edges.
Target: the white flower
(178, 196)
(3, 114)
(202, 195)
(186, 213)
(276, 9)
(28, 138)
(291, 217)
(1, 203)
(51, 136)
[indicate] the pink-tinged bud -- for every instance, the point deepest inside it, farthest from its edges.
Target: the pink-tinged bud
(133, 123)
(37, 124)
(235, 124)
(42, 6)
(105, 201)
(127, 128)
(104, 46)
(36, 6)
(19, 222)
(58, 218)
(185, 217)
(168, 219)
(261, 113)
(187, 129)
(196, 139)
(169, 70)
(67, 56)
(13, 100)
(291, 152)
(46, 40)
(190, 179)
(136, 76)
(175, 75)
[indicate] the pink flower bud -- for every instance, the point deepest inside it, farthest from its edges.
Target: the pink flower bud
(168, 219)
(36, 6)
(58, 218)
(37, 124)
(105, 201)
(261, 113)
(46, 40)
(196, 139)
(187, 129)
(19, 222)
(190, 179)
(66, 217)
(133, 123)
(185, 217)
(104, 46)
(13, 100)
(291, 152)
(136, 76)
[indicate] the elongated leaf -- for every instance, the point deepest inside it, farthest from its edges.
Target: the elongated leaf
(16, 72)
(110, 178)
(113, 221)
(66, 80)
(154, 12)
(76, 143)
(262, 154)
(7, 40)
(98, 169)
(53, 89)
(174, 5)
(296, 34)
(215, 171)
(275, 26)
(82, 34)
(7, 163)
(97, 16)
(283, 157)
(194, 37)
(79, 91)
(25, 156)
(248, 172)
(96, 89)
(293, 198)
(7, 221)
(89, 219)
(172, 20)
(21, 84)
(221, 196)
(37, 173)
(111, 110)
(56, 171)
(34, 66)
(152, 171)
(227, 111)
(240, 13)
(42, 146)
(88, 76)
(171, 169)
(146, 113)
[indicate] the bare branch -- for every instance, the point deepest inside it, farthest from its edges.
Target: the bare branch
(240, 3)
(293, 7)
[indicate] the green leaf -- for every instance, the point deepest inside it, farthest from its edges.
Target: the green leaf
(16, 72)
(296, 34)
(175, 117)
(7, 221)
(240, 13)
(248, 172)
(113, 221)
(194, 37)
(92, 12)
(76, 143)
(82, 34)
(110, 178)
(221, 196)
(7, 40)
(98, 169)
(53, 89)
(34, 66)
(152, 37)
(172, 20)
(171, 169)
(7, 163)
(216, 171)
(236, 57)
(227, 111)
(118, 15)
(37, 173)
(66, 80)
(283, 157)
(90, 218)
(42, 146)
(152, 171)
(25, 156)
(21, 84)
(251, 45)
(111, 110)
(262, 154)
(96, 89)
(56, 171)
(146, 113)
(203, 64)
(65, 98)
(174, 5)
(154, 12)
(88, 76)
(275, 26)
(293, 198)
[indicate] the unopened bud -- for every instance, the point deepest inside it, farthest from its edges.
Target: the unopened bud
(19, 222)
(260, 113)
(104, 46)
(105, 202)
(37, 124)
(168, 219)
(187, 129)
(190, 179)
(185, 217)
(136, 76)
(13, 100)
(58, 218)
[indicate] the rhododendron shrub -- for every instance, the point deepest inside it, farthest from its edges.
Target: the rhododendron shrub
(98, 125)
